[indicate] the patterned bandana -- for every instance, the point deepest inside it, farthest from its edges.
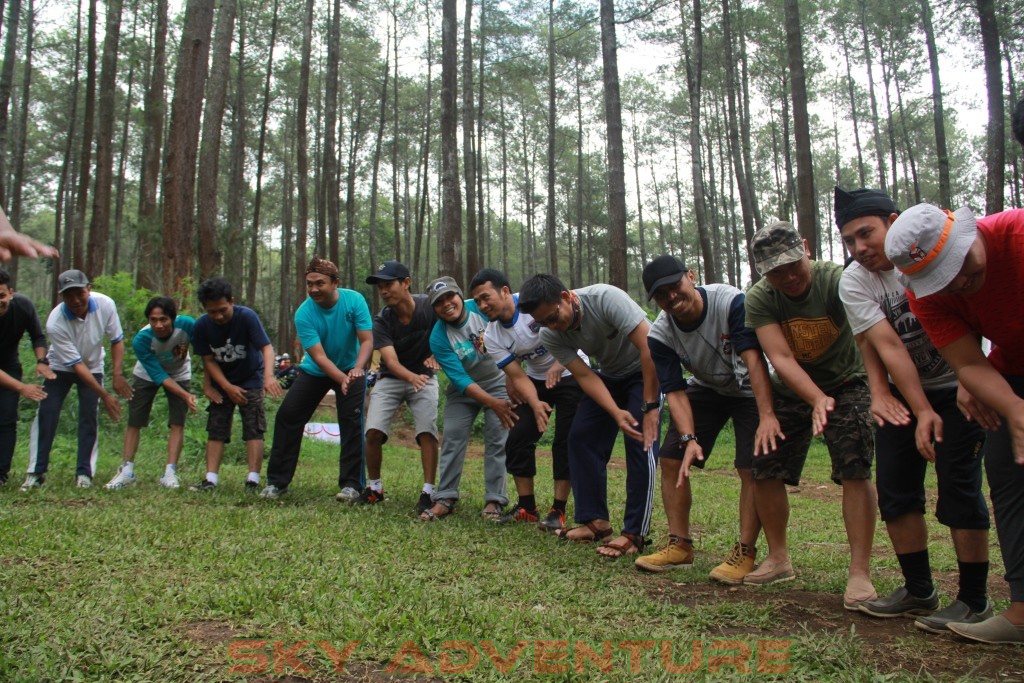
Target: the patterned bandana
(322, 266)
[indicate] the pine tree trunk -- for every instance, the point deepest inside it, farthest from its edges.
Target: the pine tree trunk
(149, 266)
(616, 158)
(995, 147)
(210, 255)
(450, 237)
(183, 144)
(806, 204)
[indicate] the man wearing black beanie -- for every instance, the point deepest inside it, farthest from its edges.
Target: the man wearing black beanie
(892, 340)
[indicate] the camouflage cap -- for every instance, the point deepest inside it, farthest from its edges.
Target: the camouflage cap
(776, 245)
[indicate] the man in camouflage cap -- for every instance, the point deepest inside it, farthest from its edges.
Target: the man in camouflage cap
(820, 388)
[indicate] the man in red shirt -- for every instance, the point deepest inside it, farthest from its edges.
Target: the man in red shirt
(964, 279)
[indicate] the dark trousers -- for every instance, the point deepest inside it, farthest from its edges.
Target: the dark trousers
(8, 423)
(298, 406)
(521, 446)
(1006, 485)
(44, 427)
(591, 440)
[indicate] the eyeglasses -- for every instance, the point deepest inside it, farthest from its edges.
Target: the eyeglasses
(550, 319)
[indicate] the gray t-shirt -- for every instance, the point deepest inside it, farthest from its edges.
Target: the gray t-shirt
(870, 298)
(608, 318)
(711, 349)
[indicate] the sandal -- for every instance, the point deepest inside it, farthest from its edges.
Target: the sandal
(633, 545)
(598, 533)
(492, 511)
(447, 504)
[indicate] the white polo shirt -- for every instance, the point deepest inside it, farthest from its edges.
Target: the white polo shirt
(73, 340)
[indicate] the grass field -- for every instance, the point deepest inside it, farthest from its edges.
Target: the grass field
(148, 584)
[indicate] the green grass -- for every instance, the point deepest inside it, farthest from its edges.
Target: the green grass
(147, 584)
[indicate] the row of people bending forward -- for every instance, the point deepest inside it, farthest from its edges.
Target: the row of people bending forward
(881, 359)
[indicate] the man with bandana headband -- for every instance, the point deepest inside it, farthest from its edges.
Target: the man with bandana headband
(892, 341)
(335, 329)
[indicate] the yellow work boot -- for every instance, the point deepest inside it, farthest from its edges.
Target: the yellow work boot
(739, 563)
(678, 553)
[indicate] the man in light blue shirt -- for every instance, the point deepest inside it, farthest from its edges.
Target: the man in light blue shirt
(336, 331)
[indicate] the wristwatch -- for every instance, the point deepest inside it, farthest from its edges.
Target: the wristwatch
(42, 361)
(686, 438)
(649, 406)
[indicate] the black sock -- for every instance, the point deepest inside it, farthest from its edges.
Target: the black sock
(559, 504)
(973, 584)
(528, 502)
(917, 573)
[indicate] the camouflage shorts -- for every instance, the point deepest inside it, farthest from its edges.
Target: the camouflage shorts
(849, 437)
(254, 419)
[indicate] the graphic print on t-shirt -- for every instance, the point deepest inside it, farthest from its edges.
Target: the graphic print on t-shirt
(229, 353)
(924, 354)
(810, 338)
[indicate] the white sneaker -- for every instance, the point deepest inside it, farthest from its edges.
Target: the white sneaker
(347, 495)
(272, 492)
(33, 481)
(170, 480)
(122, 479)
(83, 482)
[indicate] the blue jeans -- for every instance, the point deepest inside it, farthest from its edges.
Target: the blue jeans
(44, 427)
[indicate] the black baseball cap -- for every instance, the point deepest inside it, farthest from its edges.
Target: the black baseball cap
(387, 271)
(664, 270)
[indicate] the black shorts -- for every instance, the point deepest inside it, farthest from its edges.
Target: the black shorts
(711, 410)
(900, 469)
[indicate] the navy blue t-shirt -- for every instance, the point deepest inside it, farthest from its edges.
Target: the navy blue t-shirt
(237, 346)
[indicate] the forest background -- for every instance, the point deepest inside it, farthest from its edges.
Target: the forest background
(169, 141)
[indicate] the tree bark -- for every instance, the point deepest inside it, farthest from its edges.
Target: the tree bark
(210, 255)
(995, 147)
(6, 84)
(806, 205)
(183, 142)
(302, 156)
(152, 142)
(85, 153)
(550, 216)
(941, 152)
(450, 238)
(469, 144)
(616, 158)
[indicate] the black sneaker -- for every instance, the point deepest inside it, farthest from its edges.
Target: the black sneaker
(204, 485)
(369, 497)
(520, 514)
(424, 503)
(554, 521)
(900, 603)
(251, 486)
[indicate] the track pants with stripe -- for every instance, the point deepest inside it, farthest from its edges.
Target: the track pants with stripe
(591, 441)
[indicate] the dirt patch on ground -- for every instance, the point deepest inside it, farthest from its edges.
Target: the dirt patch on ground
(894, 645)
(209, 633)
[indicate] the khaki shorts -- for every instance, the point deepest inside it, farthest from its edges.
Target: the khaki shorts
(141, 403)
(386, 400)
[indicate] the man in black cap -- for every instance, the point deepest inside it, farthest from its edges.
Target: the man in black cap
(702, 330)
(401, 335)
(76, 329)
(892, 341)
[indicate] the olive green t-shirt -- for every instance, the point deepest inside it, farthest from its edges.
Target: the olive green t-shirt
(815, 328)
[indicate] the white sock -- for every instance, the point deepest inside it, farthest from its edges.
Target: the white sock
(377, 485)
(428, 488)
(171, 469)
(128, 467)
(213, 477)
(254, 477)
